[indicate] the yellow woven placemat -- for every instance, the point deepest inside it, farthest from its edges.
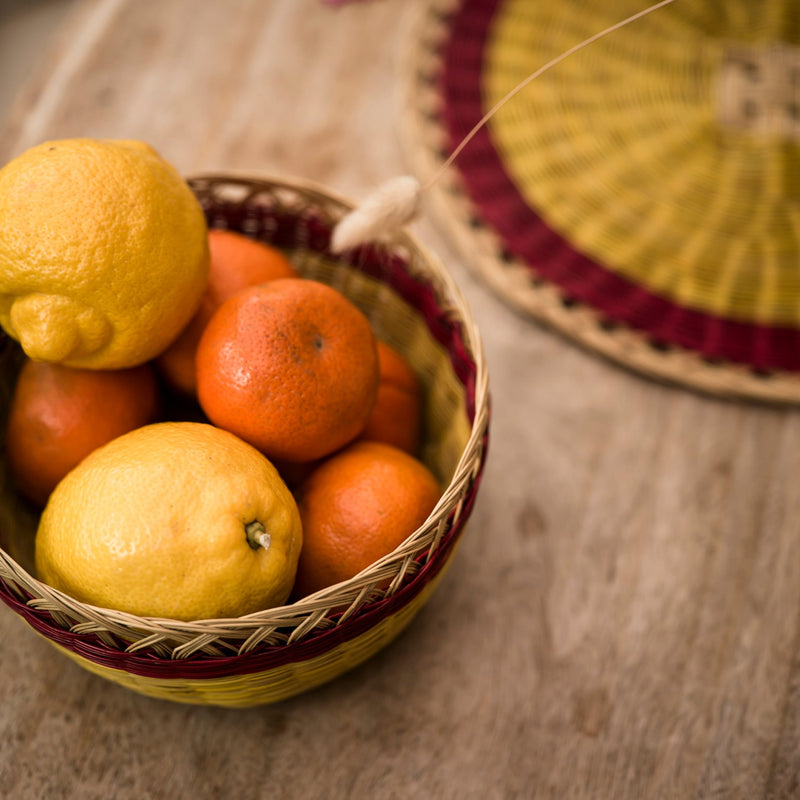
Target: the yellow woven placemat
(643, 196)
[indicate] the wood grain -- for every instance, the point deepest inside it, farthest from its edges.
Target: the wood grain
(622, 619)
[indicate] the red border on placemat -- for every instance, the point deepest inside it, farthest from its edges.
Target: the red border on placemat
(549, 256)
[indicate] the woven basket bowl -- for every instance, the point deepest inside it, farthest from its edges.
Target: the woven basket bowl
(268, 656)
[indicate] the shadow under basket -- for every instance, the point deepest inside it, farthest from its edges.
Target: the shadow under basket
(271, 655)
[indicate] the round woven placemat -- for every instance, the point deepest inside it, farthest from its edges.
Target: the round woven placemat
(643, 195)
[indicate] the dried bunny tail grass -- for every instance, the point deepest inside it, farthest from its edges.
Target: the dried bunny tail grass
(391, 206)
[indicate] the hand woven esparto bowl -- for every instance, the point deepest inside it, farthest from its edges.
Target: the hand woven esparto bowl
(265, 657)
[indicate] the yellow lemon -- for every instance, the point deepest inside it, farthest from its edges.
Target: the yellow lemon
(175, 519)
(103, 252)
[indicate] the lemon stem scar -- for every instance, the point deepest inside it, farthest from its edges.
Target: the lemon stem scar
(257, 535)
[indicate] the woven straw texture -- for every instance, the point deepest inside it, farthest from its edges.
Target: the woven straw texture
(643, 195)
(414, 305)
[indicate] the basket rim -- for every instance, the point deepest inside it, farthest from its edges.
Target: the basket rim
(303, 615)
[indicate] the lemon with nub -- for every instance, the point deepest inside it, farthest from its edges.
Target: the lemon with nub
(103, 252)
(175, 519)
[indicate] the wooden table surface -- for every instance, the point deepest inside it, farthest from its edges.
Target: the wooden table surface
(622, 619)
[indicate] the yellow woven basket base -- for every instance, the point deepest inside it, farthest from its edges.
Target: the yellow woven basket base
(274, 685)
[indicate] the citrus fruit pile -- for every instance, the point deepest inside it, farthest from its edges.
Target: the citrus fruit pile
(207, 433)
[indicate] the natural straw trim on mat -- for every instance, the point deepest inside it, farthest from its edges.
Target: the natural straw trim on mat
(415, 305)
(459, 205)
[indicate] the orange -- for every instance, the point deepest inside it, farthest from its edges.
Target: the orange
(237, 262)
(397, 414)
(290, 366)
(356, 507)
(60, 414)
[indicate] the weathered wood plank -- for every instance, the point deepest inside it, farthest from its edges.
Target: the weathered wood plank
(623, 616)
